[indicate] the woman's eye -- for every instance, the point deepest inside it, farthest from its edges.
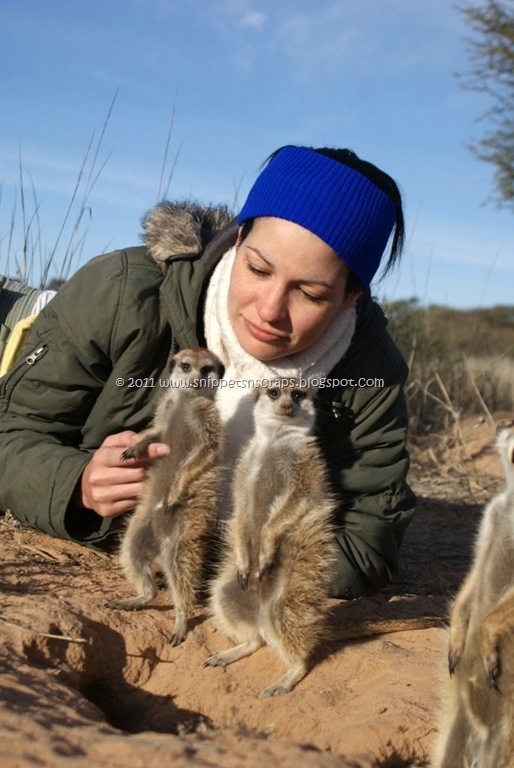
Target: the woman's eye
(314, 299)
(256, 270)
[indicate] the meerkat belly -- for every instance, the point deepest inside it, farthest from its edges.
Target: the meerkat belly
(262, 482)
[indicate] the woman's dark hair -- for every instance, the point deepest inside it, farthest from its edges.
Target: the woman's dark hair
(381, 180)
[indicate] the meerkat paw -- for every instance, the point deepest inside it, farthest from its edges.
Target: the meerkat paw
(493, 670)
(266, 559)
(453, 659)
(491, 657)
(492, 664)
(287, 683)
(135, 450)
(218, 659)
(224, 658)
(276, 689)
(264, 570)
(180, 629)
(456, 650)
(243, 578)
(177, 638)
(242, 563)
(266, 562)
(132, 452)
(459, 626)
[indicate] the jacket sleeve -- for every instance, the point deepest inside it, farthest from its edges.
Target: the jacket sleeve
(368, 462)
(46, 399)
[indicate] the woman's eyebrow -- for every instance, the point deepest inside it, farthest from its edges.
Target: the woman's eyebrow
(305, 280)
(260, 254)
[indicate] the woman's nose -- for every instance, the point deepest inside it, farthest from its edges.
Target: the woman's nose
(272, 306)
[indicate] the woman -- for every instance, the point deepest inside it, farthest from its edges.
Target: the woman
(282, 292)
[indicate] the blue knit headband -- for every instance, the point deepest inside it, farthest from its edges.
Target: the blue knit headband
(335, 202)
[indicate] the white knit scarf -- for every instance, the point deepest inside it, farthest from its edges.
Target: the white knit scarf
(236, 403)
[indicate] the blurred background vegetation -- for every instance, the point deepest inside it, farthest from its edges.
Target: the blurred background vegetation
(461, 361)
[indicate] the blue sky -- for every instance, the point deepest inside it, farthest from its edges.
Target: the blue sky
(245, 77)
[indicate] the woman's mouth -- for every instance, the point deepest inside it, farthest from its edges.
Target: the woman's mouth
(260, 334)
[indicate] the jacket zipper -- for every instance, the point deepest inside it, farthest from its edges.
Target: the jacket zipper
(12, 377)
(35, 355)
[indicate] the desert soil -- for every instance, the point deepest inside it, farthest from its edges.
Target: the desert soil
(84, 686)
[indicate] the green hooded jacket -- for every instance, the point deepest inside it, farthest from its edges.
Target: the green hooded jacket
(91, 368)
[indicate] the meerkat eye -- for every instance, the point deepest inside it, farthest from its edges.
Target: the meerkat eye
(297, 396)
(273, 393)
(206, 370)
(186, 367)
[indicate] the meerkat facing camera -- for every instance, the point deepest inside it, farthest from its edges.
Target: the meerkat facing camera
(477, 725)
(178, 505)
(274, 580)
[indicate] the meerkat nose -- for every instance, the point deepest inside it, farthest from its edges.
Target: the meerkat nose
(286, 410)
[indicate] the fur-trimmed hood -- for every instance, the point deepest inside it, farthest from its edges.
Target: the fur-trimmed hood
(173, 229)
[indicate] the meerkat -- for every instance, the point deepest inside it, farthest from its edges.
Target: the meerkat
(178, 506)
(274, 579)
(477, 725)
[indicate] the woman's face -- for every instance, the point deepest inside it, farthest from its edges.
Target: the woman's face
(286, 287)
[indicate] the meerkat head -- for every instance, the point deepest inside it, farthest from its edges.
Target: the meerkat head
(505, 447)
(290, 403)
(196, 369)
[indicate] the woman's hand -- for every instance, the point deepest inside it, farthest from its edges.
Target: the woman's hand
(111, 485)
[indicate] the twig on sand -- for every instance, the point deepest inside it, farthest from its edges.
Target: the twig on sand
(66, 638)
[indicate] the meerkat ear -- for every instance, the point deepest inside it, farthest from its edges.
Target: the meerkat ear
(171, 363)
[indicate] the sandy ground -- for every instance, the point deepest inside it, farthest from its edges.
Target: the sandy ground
(81, 685)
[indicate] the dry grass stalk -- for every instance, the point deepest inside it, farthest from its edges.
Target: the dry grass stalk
(477, 392)
(468, 460)
(31, 250)
(23, 628)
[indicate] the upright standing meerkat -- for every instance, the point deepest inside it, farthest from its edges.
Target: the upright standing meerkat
(179, 502)
(273, 583)
(477, 724)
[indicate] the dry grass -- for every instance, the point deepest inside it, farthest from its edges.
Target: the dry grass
(494, 377)
(23, 254)
(461, 363)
